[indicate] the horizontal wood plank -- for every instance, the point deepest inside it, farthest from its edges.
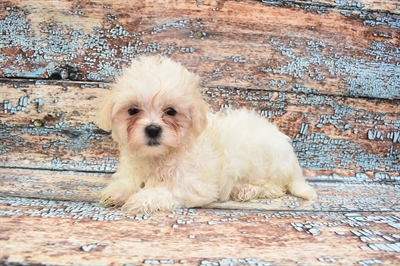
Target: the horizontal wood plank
(335, 47)
(332, 196)
(51, 125)
(55, 185)
(61, 232)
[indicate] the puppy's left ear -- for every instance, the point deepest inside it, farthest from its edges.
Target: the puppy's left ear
(199, 112)
(104, 111)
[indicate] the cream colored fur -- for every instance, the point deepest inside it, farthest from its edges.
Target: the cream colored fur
(200, 157)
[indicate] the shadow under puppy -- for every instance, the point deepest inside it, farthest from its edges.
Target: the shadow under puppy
(175, 153)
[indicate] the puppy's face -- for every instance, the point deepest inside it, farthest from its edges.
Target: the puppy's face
(152, 125)
(154, 107)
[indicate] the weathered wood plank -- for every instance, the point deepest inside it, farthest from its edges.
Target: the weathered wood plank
(332, 196)
(55, 185)
(62, 232)
(50, 125)
(365, 5)
(335, 47)
(325, 71)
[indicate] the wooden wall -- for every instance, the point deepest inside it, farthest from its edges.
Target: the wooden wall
(327, 72)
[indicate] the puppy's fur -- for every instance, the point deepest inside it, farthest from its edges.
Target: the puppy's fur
(174, 153)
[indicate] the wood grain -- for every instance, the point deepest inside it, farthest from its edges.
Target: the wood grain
(50, 125)
(59, 232)
(54, 185)
(334, 47)
(325, 71)
(332, 196)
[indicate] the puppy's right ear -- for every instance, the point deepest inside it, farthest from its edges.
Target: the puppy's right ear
(104, 111)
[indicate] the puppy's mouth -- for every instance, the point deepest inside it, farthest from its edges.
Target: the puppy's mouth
(153, 143)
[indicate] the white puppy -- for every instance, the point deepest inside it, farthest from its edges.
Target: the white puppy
(175, 153)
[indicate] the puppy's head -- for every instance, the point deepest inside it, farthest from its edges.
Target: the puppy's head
(154, 107)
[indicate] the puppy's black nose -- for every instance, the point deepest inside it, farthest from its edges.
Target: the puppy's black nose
(153, 131)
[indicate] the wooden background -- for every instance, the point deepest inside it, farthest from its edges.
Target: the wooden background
(326, 72)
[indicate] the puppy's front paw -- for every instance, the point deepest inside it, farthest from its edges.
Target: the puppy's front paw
(115, 194)
(136, 205)
(148, 201)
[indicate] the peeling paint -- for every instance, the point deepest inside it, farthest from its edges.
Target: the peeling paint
(101, 53)
(74, 140)
(318, 147)
(340, 136)
(319, 152)
(347, 8)
(367, 227)
(64, 45)
(233, 261)
(379, 78)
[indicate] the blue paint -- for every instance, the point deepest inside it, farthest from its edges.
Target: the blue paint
(379, 78)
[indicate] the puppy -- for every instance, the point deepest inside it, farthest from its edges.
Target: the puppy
(175, 153)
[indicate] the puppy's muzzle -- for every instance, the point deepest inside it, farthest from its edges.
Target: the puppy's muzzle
(153, 133)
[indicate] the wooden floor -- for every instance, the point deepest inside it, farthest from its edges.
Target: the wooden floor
(51, 218)
(325, 71)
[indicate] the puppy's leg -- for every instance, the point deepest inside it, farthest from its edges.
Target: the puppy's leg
(289, 178)
(245, 192)
(248, 192)
(147, 201)
(117, 192)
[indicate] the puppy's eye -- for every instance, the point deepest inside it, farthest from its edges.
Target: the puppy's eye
(133, 111)
(170, 112)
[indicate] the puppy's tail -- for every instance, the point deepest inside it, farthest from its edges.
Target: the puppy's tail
(299, 187)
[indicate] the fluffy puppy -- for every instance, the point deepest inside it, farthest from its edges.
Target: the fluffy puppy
(175, 153)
